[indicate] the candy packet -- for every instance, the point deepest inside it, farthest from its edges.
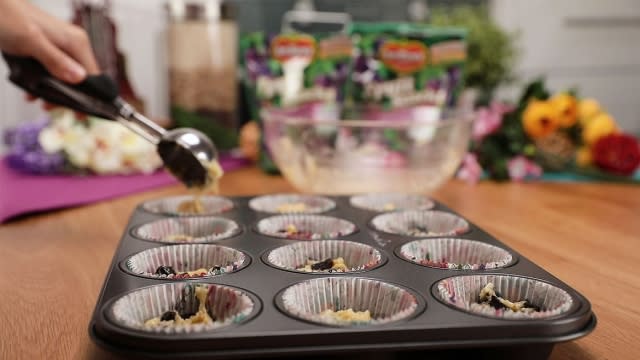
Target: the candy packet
(297, 73)
(403, 70)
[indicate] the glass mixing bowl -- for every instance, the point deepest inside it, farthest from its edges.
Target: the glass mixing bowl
(412, 151)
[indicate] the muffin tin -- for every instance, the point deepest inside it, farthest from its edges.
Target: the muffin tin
(419, 304)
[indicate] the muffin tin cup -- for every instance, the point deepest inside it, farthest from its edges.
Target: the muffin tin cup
(292, 203)
(226, 305)
(462, 293)
(357, 257)
(305, 227)
(418, 223)
(212, 205)
(391, 202)
(454, 254)
(198, 229)
(386, 302)
(215, 259)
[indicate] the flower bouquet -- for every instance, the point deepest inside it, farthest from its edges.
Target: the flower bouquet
(546, 132)
(62, 143)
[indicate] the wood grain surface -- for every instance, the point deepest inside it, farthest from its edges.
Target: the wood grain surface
(53, 264)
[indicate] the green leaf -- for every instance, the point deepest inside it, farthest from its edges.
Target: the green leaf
(491, 50)
(535, 89)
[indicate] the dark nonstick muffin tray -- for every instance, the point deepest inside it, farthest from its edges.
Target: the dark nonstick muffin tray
(435, 327)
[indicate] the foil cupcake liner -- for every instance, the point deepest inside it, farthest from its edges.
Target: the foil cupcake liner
(225, 305)
(310, 300)
(455, 254)
(463, 293)
(355, 256)
(179, 205)
(180, 259)
(199, 229)
(291, 203)
(418, 223)
(305, 227)
(391, 202)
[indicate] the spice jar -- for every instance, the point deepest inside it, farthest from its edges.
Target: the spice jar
(202, 41)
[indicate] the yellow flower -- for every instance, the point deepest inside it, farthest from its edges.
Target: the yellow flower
(583, 156)
(539, 119)
(566, 107)
(601, 125)
(587, 110)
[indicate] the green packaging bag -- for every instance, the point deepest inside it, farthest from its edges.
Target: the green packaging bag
(299, 73)
(403, 66)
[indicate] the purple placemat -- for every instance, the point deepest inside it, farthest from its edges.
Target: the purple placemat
(22, 193)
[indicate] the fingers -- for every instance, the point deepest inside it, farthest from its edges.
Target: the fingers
(58, 63)
(71, 39)
(79, 47)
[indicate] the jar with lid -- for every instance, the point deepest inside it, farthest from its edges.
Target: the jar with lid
(202, 58)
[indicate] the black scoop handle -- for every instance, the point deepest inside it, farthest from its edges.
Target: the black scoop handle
(94, 96)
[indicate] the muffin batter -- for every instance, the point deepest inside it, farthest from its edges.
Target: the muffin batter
(347, 316)
(292, 232)
(294, 207)
(194, 206)
(168, 271)
(179, 238)
(329, 265)
(173, 318)
(418, 230)
(489, 297)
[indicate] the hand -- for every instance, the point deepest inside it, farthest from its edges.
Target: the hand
(64, 49)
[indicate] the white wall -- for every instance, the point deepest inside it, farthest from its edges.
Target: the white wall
(591, 44)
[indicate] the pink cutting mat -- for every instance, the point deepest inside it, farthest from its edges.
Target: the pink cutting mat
(22, 193)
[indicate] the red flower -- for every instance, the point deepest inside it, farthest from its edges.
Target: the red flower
(617, 153)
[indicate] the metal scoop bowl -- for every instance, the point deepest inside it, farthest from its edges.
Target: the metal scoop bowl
(186, 153)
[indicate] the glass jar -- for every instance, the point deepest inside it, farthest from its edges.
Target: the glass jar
(202, 43)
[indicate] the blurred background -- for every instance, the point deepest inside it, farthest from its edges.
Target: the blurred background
(587, 44)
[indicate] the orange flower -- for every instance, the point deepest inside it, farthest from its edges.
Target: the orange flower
(601, 125)
(566, 107)
(587, 110)
(539, 119)
(250, 140)
(584, 157)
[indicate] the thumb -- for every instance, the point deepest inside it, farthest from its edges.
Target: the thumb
(58, 63)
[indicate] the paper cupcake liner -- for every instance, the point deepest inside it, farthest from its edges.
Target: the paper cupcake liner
(294, 257)
(462, 292)
(199, 229)
(391, 202)
(291, 203)
(305, 227)
(386, 303)
(214, 259)
(176, 205)
(419, 223)
(456, 254)
(225, 305)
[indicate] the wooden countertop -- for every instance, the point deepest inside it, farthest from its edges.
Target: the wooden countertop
(53, 265)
